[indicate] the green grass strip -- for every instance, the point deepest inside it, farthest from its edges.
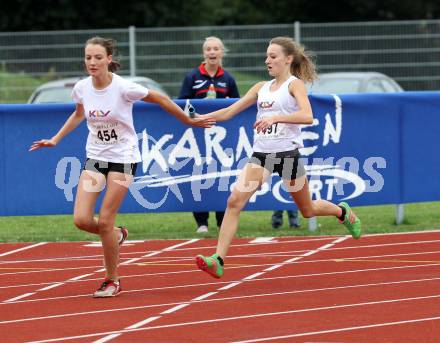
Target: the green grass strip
(181, 225)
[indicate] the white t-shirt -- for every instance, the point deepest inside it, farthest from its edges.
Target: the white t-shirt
(280, 136)
(109, 115)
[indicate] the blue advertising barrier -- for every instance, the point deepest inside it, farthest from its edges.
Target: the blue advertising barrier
(366, 149)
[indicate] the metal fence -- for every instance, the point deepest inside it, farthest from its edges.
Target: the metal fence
(408, 51)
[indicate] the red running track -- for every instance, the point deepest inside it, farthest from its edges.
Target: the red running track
(382, 288)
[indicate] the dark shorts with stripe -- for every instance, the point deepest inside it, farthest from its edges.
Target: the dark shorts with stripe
(104, 167)
(286, 163)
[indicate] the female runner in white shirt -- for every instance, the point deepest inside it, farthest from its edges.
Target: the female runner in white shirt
(283, 105)
(106, 100)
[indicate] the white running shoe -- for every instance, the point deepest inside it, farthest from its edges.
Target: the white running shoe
(202, 229)
(109, 288)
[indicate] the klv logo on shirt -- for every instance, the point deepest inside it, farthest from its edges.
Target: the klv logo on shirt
(265, 104)
(98, 113)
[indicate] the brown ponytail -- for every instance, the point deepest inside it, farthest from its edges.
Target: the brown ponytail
(109, 45)
(302, 65)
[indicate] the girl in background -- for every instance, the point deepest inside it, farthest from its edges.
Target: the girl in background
(209, 80)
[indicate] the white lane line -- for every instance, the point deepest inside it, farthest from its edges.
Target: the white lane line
(325, 246)
(295, 240)
(175, 308)
(209, 295)
(21, 249)
(287, 253)
(72, 258)
(355, 258)
(279, 265)
(19, 297)
(253, 276)
(231, 285)
(409, 233)
(204, 296)
(107, 338)
(134, 326)
(263, 240)
(99, 257)
(259, 315)
(102, 269)
(50, 286)
(392, 268)
(79, 277)
(142, 323)
(352, 271)
(321, 248)
(352, 328)
(250, 277)
(275, 266)
(173, 247)
(250, 296)
(359, 258)
(308, 253)
(316, 239)
(48, 270)
(98, 244)
(340, 239)
(153, 253)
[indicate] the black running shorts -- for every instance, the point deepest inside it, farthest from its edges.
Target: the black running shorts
(286, 163)
(104, 167)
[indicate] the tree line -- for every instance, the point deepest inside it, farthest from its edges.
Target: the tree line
(41, 15)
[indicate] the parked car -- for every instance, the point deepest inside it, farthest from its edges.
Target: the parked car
(59, 91)
(353, 82)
